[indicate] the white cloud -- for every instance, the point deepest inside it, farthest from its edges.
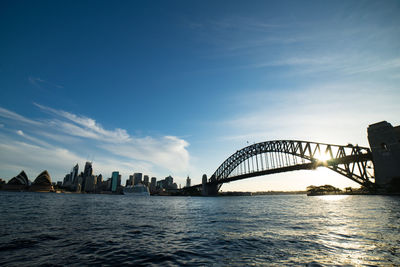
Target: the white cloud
(91, 128)
(111, 149)
(16, 117)
(168, 151)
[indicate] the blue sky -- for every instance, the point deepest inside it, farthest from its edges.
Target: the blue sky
(175, 87)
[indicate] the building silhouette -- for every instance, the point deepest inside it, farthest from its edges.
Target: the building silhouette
(42, 183)
(146, 180)
(137, 178)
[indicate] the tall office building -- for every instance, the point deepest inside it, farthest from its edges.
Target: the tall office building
(188, 181)
(90, 184)
(74, 174)
(146, 180)
(88, 169)
(137, 178)
(169, 181)
(67, 180)
(114, 181)
(130, 180)
(99, 183)
(99, 179)
(88, 172)
(153, 182)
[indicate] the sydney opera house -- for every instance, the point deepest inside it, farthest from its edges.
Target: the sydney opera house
(21, 182)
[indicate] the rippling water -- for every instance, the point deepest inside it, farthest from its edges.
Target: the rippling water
(72, 229)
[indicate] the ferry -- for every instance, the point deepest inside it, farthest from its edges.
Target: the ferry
(136, 190)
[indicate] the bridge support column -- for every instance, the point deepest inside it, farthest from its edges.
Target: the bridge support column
(209, 189)
(384, 140)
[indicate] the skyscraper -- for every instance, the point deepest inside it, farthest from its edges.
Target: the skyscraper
(114, 181)
(153, 181)
(146, 180)
(99, 179)
(88, 169)
(137, 178)
(130, 180)
(74, 174)
(90, 184)
(188, 181)
(88, 172)
(169, 180)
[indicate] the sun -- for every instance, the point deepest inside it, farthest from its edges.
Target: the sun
(323, 157)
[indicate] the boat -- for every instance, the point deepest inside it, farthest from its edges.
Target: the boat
(136, 190)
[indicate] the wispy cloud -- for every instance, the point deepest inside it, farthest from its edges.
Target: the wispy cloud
(339, 64)
(16, 117)
(91, 128)
(117, 147)
(375, 66)
(339, 112)
(168, 151)
(40, 83)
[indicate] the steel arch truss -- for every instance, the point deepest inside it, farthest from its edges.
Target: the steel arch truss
(288, 155)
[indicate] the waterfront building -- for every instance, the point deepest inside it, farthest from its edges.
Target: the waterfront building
(153, 184)
(146, 180)
(100, 185)
(108, 184)
(78, 186)
(161, 184)
(20, 179)
(169, 180)
(137, 178)
(74, 174)
(88, 171)
(99, 179)
(90, 184)
(188, 181)
(18, 183)
(114, 181)
(42, 183)
(129, 181)
(67, 180)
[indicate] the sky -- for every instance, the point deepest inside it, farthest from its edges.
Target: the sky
(176, 87)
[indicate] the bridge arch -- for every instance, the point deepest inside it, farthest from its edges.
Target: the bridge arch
(278, 156)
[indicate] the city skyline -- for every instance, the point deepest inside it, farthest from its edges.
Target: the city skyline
(175, 88)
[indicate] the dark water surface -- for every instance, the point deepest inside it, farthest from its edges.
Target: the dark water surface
(75, 230)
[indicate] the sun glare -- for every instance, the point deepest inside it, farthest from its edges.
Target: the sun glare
(323, 157)
(333, 197)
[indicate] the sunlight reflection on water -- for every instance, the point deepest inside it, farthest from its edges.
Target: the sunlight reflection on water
(333, 197)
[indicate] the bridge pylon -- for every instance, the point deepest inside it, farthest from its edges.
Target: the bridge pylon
(384, 140)
(209, 188)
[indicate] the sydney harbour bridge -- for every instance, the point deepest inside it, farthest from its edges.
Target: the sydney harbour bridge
(357, 163)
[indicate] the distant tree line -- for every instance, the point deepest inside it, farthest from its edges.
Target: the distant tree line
(322, 190)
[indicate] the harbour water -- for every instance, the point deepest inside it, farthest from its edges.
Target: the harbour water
(78, 229)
